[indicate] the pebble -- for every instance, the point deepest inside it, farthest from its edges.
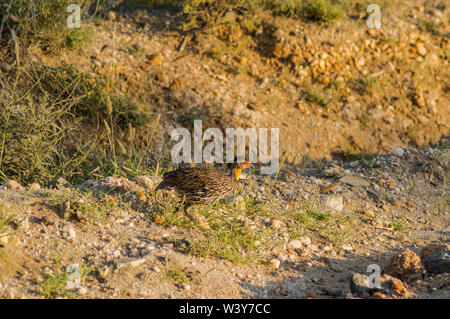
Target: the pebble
(398, 151)
(275, 263)
(295, 244)
(332, 172)
(334, 203)
(186, 286)
(71, 232)
(168, 246)
(347, 247)
(359, 285)
(369, 213)
(34, 187)
(438, 263)
(24, 223)
(334, 292)
(306, 241)
(102, 271)
(421, 48)
(82, 291)
(276, 224)
(134, 252)
(13, 185)
(156, 59)
(355, 181)
(133, 262)
(156, 269)
(112, 16)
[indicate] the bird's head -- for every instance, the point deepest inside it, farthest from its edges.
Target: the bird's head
(236, 168)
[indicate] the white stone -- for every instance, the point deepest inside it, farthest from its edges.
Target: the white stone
(334, 203)
(305, 241)
(398, 151)
(295, 244)
(275, 263)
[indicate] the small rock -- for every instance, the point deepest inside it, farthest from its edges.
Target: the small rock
(355, 181)
(71, 232)
(133, 262)
(58, 182)
(280, 291)
(373, 32)
(82, 291)
(411, 205)
(359, 285)
(404, 265)
(145, 181)
(134, 252)
(168, 246)
(185, 286)
(102, 271)
(369, 213)
(276, 224)
(112, 16)
(398, 151)
(350, 98)
(421, 48)
(156, 269)
(24, 223)
(334, 203)
(333, 172)
(438, 263)
(34, 187)
(433, 249)
(437, 13)
(295, 244)
(12, 185)
(275, 263)
(433, 59)
(334, 292)
(347, 247)
(306, 241)
(155, 59)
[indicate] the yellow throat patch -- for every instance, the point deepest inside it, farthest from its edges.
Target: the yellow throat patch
(236, 173)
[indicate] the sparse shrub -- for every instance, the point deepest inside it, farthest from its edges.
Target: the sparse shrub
(92, 100)
(149, 4)
(43, 22)
(321, 10)
(32, 128)
(45, 116)
(368, 83)
(285, 7)
(203, 13)
(319, 98)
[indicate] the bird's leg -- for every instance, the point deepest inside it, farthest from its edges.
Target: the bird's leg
(182, 201)
(189, 214)
(185, 208)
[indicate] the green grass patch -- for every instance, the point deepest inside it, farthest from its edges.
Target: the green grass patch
(318, 98)
(44, 23)
(178, 276)
(55, 285)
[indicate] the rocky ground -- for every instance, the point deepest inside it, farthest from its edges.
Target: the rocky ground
(350, 89)
(305, 233)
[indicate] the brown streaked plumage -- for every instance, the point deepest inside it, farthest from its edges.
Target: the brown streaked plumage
(201, 185)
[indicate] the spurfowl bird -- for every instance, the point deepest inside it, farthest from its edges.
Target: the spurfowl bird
(201, 185)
